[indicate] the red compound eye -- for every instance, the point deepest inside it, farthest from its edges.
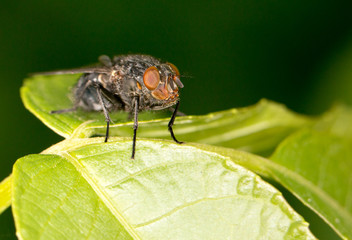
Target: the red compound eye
(151, 78)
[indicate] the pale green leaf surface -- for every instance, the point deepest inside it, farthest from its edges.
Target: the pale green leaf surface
(5, 193)
(256, 129)
(82, 188)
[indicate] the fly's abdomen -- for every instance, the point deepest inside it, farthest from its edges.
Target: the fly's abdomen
(87, 97)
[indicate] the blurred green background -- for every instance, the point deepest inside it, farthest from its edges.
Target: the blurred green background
(295, 52)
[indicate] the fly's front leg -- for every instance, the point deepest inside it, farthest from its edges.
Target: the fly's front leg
(135, 125)
(171, 123)
(106, 113)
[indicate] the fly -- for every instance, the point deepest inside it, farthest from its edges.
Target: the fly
(130, 83)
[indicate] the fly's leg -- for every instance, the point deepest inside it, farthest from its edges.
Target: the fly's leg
(77, 100)
(106, 113)
(171, 109)
(171, 123)
(135, 125)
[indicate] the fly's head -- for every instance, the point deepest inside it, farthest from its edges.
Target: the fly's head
(162, 83)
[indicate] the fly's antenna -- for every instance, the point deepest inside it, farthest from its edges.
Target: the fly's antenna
(186, 76)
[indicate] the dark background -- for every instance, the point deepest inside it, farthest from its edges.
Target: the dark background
(295, 52)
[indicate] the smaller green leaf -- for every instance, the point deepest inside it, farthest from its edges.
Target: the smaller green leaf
(5, 193)
(316, 165)
(82, 188)
(258, 129)
(336, 122)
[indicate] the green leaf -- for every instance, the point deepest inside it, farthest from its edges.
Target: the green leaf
(315, 164)
(317, 168)
(5, 193)
(258, 129)
(82, 188)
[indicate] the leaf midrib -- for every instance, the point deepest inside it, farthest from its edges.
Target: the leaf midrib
(100, 192)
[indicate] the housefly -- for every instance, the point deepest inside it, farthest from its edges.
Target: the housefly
(130, 83)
